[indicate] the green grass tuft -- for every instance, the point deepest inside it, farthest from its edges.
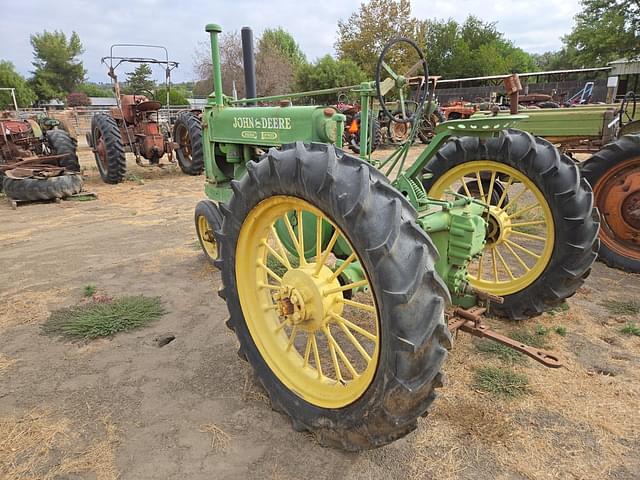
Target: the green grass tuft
(631, 329)
(541, 330)
(500, 382)
(560, 330)
(563, 307)
(621, 307)
(89, 290)
(93, 320)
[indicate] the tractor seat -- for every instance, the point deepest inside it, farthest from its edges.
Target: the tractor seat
(147, 106)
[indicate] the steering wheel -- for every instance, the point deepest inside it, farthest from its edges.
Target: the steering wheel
(629, 97)
(398, 82)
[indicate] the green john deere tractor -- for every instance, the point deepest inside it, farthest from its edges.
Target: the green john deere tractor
(344, 280)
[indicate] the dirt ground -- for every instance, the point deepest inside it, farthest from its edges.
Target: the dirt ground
(126, 408)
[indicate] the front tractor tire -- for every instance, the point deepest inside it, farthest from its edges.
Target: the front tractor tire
(108, 148)
(542, 230)
(355, 361)
(614, 174)
(208, 220)
(187, 132)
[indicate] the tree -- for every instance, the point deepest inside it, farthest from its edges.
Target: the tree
(58, 71)
(283, 42)
(327, 72)
(139, 81)
(605, 30)
(363, 35)
(95, 90)
(9, 78)
(177, 96)
(475, 48)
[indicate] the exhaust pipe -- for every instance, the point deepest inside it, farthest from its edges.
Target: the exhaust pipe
(249, 62)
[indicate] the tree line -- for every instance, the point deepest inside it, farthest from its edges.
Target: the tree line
(604, 30)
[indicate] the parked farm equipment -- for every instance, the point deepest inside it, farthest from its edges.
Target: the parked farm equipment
(611, 132)
(37, 164)
(344, 280)
(135, 126)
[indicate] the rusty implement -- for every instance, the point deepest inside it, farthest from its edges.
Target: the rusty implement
(470, 321)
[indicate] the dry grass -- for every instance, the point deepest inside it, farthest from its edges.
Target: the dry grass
(27, 307)
(575, 424)
(5, 362)
(38, 445)
(219, 438)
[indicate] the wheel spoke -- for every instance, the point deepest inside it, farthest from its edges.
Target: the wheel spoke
(354, 327)
(526, 224)
(517, 257)
(270, 272)
(389, 70)
(285, 257)
(307, 351)
(332, 352)
(515, 199)
(361, 306)
(274, 253)
(292, 338)
(342, 268)
(495, 265)
(300, 226)
(325, 254)
(504, 192)
(521, 248)
(480, 265)
(524, 210)
(268, 286)
(354, 341)
(349, 286)
(528, 235)
(292, 236)
(504, 264)
(318, 236)
(466, 189)
(316, 355)
(341, 354)
(480, 188)
(491, 184)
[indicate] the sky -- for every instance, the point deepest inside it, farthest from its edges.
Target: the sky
(534, 25)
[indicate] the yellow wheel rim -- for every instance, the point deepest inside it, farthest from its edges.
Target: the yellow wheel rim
(205, 232)
(520, 232)
(320, 344)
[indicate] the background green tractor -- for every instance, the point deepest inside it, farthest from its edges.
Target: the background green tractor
(343, 279)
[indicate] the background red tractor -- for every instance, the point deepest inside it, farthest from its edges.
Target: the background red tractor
(135, 125)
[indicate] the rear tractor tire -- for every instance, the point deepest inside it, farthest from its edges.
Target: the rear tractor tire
(108, 148)
(356, 372)
(187, 132)
(208, 220)
(614, 174)
(33, 189)
(63, 144)
(542, 230)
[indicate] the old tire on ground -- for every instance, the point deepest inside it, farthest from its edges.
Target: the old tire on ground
(187, 132)
(403, 324)
(62, 143)
(42, 189)
(208, 220)
(614, 174)
(540, 245)
(108, 148)
(354, 139)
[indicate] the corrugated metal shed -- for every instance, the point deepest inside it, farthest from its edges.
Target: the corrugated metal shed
(625, 67)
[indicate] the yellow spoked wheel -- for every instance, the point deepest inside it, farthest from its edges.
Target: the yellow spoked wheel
(520, 226)
(541, 231)
(207, 220)
(318, 342)
(332, 295)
